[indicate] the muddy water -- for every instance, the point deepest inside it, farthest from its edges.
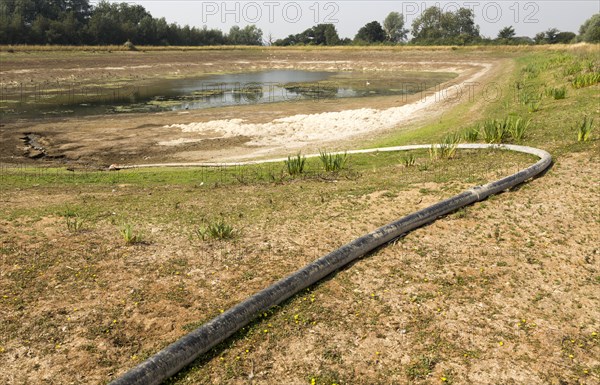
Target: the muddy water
(60, 99)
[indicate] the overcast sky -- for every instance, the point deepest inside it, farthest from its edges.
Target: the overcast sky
(281, 18)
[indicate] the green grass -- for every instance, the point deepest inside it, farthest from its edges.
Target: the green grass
(471, 134)
(585, 80)
(409, 160)
(584, 129)
(494, 131)
(557, 93)
(333, 162)
(421, 368)
(446, 149)
(129, 235)
(219, 230)
(517, 126)
(74, 223)
(295, 165)
(549, 125)
(572, 69)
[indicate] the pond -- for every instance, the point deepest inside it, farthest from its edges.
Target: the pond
(270, 86)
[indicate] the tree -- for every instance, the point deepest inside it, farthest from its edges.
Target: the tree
(554, 36)
(522, 40)
(506, 33)
(80, 8)
(249, 35)
(550, 35)
(326, 34)
(371, 33)
(540, 38)
(565, 37)
(437, 27)
(464, 20)
(393, 25)
(331, 35)
(77, 22)
(104, 26)
(321, 34)
(590, 30)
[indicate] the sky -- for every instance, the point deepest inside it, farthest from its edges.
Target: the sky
(282, 18)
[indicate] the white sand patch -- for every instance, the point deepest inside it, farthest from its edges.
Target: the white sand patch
(299, 130)
(17, 71)
(177, 142)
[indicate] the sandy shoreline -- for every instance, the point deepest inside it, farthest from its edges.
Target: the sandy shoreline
(243, 132)
(299, 131)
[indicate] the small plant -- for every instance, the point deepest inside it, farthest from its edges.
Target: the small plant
(499, 130)
(534, 105)
(531, 70)
(528, 98)
(494, 131)
(471, 134)
(446, 149)
(517, 127)
(216, 230)
(333, 162)
(295, 165)
(422, 367)
(572, 69)
(585, 80)
(584, 129)
(74, 223)
(129, 236)
(557, 93)
(590, 65)
(409, 160)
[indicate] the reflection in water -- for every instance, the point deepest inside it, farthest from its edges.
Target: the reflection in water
(210, 91)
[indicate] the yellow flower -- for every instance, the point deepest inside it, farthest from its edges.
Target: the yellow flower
(500, 343)
(444, 379)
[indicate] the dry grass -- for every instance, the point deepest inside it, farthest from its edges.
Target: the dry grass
(469, 48)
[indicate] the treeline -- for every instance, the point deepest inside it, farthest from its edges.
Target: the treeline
(76, 22)
(435, 27)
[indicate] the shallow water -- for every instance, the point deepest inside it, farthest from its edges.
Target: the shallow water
(59, 99)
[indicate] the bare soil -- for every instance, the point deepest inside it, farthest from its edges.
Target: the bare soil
(505, 291)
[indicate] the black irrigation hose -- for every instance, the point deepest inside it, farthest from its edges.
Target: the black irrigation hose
(181, 353)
